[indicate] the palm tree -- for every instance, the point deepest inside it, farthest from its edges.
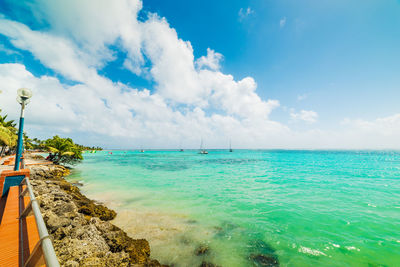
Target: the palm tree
(5, 123)
(27, 142)
(64, 150)
(8, 137)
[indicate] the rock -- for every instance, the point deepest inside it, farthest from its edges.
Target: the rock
(77, 184)
(264, 260)
(54, 222)
(262, 254)
(87, 206)
(79, 227)
(71, 263)
(202, 250)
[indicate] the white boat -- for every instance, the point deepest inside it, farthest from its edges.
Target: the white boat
(202, 150)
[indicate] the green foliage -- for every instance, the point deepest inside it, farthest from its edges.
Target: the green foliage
(27, 142)
(90, 147)
(8, 137)
(64, 150)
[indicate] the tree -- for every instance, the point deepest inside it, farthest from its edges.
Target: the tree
(64, 150)
(27, 142)
(8, 137)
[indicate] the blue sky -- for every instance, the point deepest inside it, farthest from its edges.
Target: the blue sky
(336, 52)
(267, 74)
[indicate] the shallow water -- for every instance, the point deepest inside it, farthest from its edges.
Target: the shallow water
(306, 208)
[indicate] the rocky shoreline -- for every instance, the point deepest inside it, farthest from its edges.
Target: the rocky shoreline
(79, 227)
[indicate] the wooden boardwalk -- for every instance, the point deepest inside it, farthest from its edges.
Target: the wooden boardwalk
(9, 230)
(18, 237)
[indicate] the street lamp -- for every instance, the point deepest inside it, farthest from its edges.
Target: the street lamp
(23, 98)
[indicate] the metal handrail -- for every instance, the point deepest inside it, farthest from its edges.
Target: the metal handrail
(44, 238)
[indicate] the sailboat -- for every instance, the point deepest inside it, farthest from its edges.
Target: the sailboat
(230, 146)
(202, 150)
(180, 145)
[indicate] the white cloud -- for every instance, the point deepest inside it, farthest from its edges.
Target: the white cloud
(57, 108)
(282, 22)
(211, 61)
(55, 52)
(191, 98)
(308, 116)
(95, 24)
(244, 13)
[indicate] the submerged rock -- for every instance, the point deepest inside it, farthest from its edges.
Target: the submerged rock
(202, 250)
(262, 254)
(264, 260)
(225, 230)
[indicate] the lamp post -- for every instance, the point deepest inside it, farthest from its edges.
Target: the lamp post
(23, 98)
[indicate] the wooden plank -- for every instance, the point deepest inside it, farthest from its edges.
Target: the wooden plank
(9, 230)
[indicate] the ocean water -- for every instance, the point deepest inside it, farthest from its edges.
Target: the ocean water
(302, 208)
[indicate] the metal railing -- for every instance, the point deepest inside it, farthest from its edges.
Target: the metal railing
(44, 246)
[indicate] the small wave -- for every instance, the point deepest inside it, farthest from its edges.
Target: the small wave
(352, 248)
(371, 205)
(314, 252)
(336, 245)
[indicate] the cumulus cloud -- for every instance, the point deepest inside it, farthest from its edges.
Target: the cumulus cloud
(211, 61)
(191, 98)
(138, 115)
(308, 116)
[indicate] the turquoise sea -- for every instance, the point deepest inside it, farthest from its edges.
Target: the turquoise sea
(301, 208)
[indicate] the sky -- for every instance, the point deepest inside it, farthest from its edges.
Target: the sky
(313, 74)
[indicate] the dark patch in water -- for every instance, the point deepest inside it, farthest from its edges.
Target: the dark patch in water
(168, 166)
(230, 161)
(185, 240)
(264, 260)
(134, 199)
(202, 250)
(225, 229)
(191, 221)
(262, 254)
